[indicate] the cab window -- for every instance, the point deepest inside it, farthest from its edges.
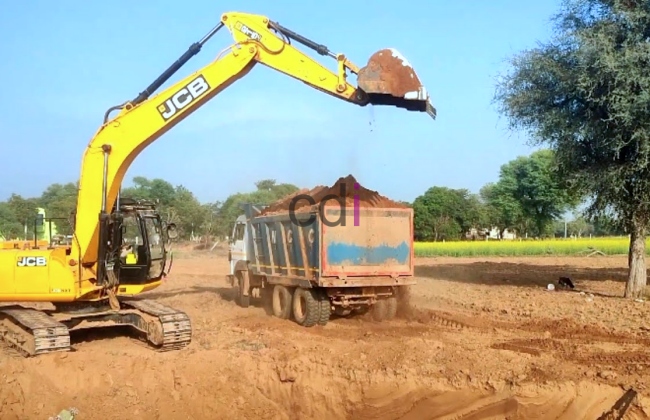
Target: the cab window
(131, 235)
(154, 233)
(239, 231)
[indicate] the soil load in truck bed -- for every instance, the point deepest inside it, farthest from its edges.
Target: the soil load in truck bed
(372, 238)
(346, 188)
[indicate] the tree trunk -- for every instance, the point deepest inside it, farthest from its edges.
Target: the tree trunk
(637, 276)
(629, 252)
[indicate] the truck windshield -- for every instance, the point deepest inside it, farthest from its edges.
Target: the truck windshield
(239, 232)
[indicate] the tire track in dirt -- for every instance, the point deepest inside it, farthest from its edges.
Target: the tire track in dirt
(532, 346)
(615, 358)
(564, 339)
(569, 329)
(573, 352)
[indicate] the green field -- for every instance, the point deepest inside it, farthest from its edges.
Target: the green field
(576, 247)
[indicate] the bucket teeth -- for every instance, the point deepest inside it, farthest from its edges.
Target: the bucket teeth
(389, 79)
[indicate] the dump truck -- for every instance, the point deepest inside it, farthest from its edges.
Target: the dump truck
(341, 250)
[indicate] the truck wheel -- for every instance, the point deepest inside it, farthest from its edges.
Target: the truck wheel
(380, 310)
(243, 301)
(362, 310)
(306, 307)
(281, 302)
(325, 309)
(266, 294)
(391, 307)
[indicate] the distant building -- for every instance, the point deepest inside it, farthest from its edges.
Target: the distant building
(493, 233)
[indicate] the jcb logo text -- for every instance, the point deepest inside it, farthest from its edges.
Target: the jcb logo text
(183, 97)
(32, 262)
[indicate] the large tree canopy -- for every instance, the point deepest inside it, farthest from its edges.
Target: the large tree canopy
(445, 213)
(529, 195)
(534, 184)
(586, 94)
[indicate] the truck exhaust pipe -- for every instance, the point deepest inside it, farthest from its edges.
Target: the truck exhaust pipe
(389, 79)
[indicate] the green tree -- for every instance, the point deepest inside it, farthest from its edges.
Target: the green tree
(586, 94)
(10, 226)
(502, 210)
(175, 204)
(24, 211)
(579, 226)
(59, 201)
(606, 225)
(191, 213)
(211, 225)
(266, 193)
(445, 213)
(534, 183)
(156, 189)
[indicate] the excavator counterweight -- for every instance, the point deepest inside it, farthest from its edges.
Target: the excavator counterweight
(389, 79)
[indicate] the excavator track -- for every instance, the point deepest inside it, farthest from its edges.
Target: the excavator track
(173, 329)
(32, 332)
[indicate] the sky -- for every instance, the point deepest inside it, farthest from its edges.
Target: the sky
(66, 63)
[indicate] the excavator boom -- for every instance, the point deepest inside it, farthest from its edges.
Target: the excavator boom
(387, 79)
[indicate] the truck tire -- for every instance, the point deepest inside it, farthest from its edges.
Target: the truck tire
(306, 307)
(281, 304)
(243, 301)
(391, 307)
(380, 310)
(266, 294)
(325, 309)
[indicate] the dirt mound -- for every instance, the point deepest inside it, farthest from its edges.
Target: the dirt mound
(344, 189)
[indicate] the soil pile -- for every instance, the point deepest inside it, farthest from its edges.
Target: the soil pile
(344, 189)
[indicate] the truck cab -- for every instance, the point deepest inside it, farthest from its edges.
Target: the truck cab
(240, 248)
(238, 240)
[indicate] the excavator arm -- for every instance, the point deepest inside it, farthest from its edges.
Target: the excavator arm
(387, 80)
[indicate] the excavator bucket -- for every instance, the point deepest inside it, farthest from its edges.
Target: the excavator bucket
(389, 79)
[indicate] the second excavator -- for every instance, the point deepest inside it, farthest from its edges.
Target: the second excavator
(120, 247)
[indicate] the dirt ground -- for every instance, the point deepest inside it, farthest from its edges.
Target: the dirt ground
(483, 339)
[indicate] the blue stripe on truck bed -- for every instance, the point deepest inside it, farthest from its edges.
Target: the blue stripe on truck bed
(340, 253)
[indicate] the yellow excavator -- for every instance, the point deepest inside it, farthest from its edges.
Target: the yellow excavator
(120, 247)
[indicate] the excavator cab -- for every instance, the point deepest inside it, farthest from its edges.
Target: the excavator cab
(140, 246)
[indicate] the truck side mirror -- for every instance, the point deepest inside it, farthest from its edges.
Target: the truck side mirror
(172, 232)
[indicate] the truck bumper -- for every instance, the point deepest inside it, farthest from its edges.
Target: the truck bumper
(366, 281)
